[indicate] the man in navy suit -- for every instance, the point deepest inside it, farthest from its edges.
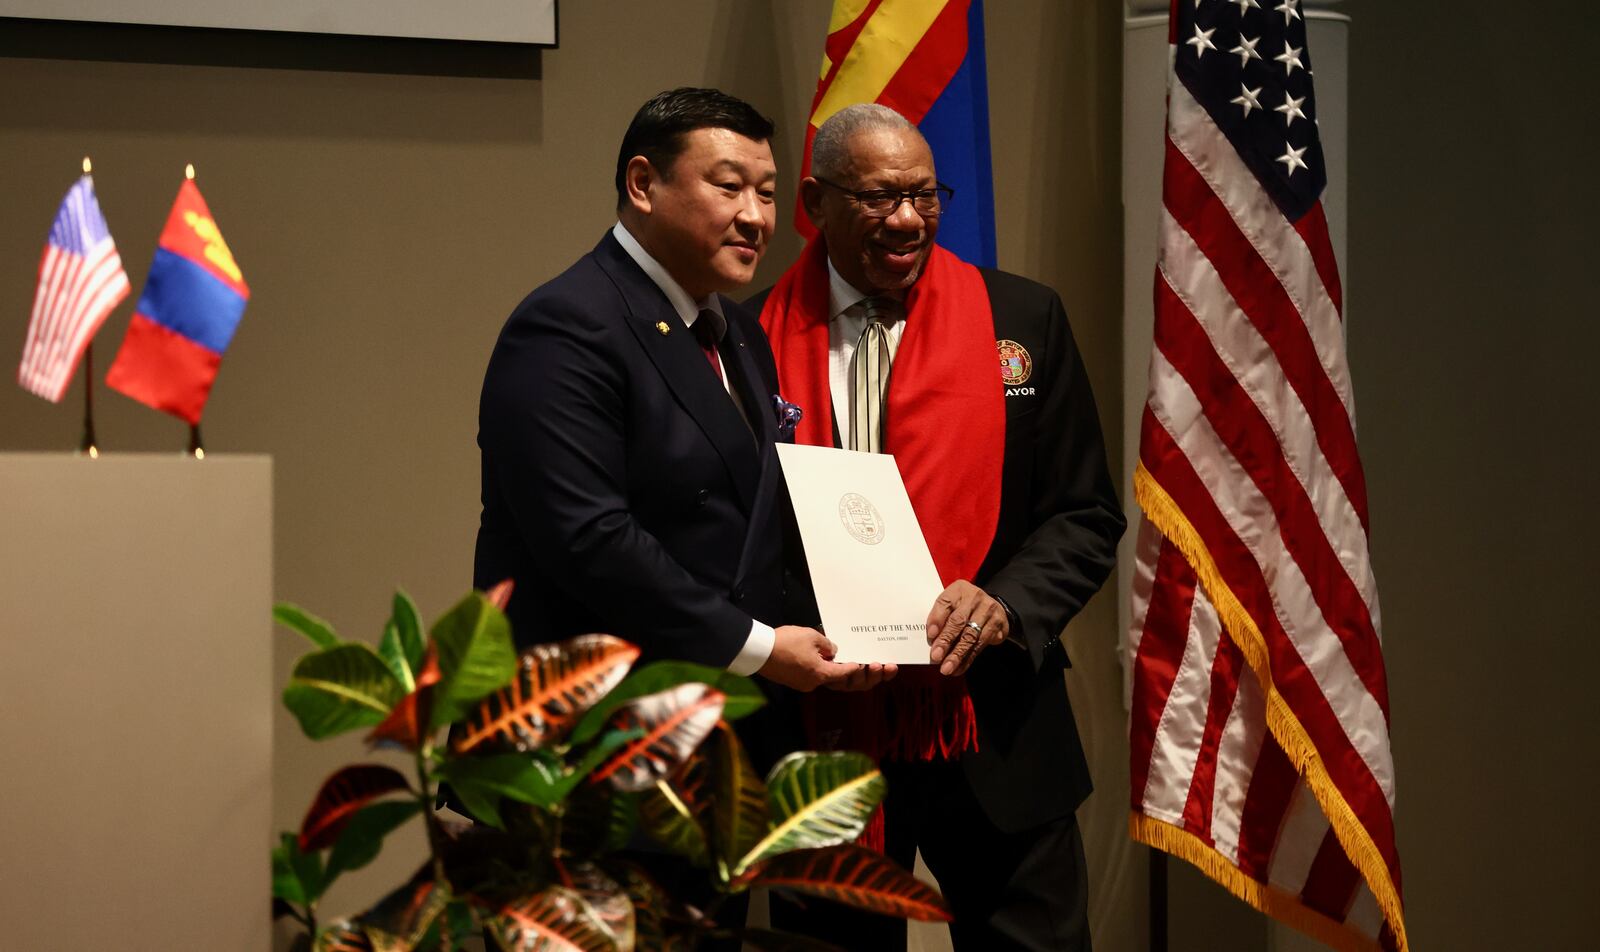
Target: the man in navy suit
(627, 423)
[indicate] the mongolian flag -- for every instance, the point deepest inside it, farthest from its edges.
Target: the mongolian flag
(923, 59)
(185, 318)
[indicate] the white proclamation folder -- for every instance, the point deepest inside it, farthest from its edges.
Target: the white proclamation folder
(874, 577)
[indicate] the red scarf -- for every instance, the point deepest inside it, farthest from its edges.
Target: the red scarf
(945, 427)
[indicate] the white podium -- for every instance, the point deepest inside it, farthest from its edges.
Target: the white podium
(137, 698)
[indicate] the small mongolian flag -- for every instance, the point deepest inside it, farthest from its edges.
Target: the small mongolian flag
(80, 282)
(185, 318)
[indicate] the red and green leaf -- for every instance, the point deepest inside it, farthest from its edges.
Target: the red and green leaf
(739, 814)
(676, 812)
(856, 877)
(400, 920)
(339, 689)
(816, 800)
(362, 838)
(554, 685)
(740, 695)
(407, 725)
(342, 794)
(609, 901)
(499, 594)
(674, 722)
(555, 919)
(473, 641)
(342, 937)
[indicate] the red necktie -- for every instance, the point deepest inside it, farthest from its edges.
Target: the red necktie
(705, 331)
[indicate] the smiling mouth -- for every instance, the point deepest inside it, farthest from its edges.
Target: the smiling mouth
(899, 259)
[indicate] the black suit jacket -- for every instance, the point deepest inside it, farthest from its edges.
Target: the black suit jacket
(1054, 546)
(623, 490)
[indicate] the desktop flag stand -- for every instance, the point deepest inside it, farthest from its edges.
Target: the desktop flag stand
(186, 316)
(81, 282)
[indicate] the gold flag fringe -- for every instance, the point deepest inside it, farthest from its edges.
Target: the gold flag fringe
(1165, 514)
(1282, 906)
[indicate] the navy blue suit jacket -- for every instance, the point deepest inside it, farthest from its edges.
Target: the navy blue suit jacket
(623, 490)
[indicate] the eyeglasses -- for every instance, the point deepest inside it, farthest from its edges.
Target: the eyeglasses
(883, 202)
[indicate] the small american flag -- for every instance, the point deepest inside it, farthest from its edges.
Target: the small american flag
(80, 282)
(1259, 727)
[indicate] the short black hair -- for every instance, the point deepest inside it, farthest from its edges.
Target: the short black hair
(658, 128)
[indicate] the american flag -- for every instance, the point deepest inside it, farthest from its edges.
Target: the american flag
(1259, 725)
(80, 281)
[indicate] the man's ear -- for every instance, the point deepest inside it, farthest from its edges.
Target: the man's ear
(636, 181)
(811, 201)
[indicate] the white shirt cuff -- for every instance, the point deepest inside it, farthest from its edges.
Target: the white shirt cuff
(757, 649)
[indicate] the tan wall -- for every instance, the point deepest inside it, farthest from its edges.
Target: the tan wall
(389, 202)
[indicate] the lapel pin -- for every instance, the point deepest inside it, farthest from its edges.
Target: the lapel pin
(663, 328)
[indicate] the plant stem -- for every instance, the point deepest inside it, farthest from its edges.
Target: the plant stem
(435, 838)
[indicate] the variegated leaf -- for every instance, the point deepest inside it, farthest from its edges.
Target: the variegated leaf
(499, 594)
(339, 689)
(675, 812)
(651, 906)
(400, 920)
(856, 877)
(553, 686)
(816, 800)
(598, 820)
(609, 901)
(407, 725)
(674, 723)
(341, 796)
(556, 919)
(739, 800)
(342, 936)
(476, 657)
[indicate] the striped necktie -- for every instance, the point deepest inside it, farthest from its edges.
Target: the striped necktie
(870, 375)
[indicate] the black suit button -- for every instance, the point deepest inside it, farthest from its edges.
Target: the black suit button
(702, 497)
(738, 593)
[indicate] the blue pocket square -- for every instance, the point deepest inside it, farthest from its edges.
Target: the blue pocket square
(789, 415)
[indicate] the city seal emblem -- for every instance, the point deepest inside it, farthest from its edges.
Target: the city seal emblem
(861, 518)
(1016, 366)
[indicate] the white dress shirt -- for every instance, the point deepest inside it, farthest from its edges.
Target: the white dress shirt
(846, 321)
(758, 646)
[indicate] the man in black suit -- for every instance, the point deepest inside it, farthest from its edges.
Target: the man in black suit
(1009, 480)
(627, 421)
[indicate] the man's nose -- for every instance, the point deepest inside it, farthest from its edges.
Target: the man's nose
(750, 212)
(904, 217)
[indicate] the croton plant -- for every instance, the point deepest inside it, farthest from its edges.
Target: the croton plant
(566, 756)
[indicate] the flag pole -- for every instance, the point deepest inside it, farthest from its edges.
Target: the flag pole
(1158, 900)
(196, 448)
(87, 446)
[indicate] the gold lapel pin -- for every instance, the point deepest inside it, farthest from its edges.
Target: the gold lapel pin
(663, 328)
